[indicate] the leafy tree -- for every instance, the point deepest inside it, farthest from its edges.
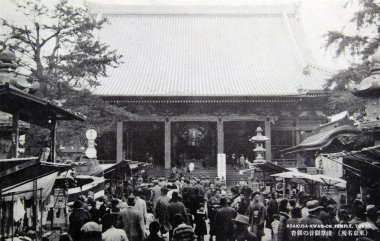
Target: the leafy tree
(57, 48)
(360, 45)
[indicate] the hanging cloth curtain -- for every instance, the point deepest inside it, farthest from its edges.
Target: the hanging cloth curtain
(18, 210)
(45, 183)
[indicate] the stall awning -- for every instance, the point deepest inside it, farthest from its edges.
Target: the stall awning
(26, 171)
(270, 167)
(364, 162)
(32, 109)
(322, 139)
(121, 168)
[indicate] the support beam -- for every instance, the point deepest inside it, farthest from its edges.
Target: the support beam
(167, 144)
(53, 141)
(119, 141)
(268, 145)
(15, 133)
(220, 137)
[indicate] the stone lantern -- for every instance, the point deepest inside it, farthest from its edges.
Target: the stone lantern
(259, 139)
(369, 90)
(8, 75)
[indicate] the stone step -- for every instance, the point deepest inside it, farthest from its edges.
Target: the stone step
(233, 175)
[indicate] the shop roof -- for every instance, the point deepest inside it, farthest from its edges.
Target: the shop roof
(120, 169)
(207, 51)
(364, 162)
(25, 169)
(32, 109)
(270, 167)
(322, 139)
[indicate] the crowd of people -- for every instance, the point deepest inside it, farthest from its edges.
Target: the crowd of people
(190, 208)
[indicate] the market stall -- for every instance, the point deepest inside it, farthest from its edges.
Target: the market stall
(26, 183)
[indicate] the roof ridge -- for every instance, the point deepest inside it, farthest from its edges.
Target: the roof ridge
(124, 9)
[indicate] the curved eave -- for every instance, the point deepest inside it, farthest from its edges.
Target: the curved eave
(370, 92)
(321, 140)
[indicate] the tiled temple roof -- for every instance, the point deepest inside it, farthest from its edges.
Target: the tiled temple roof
(204, 51)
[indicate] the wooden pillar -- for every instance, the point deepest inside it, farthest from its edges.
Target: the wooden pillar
(298, 141)
(35, 203)
(268, 144)
(220, 132)
(119, 141)
(127, 140)
(53, 140)
(15, 133)
(167, 138)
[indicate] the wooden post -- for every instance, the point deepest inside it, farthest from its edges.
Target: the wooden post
(167, 144)
(127, 149)
(119, 141)
(220, 132)
(15, 133)
(53, 140)
(35, 204)
(268, 146)
(298, 141)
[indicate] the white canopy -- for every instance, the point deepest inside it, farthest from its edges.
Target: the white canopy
(330, 181)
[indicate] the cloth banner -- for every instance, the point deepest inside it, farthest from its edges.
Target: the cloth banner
(222, 166)
(331, 168)
(45, 183)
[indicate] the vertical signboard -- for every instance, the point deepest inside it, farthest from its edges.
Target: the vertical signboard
(222, 166)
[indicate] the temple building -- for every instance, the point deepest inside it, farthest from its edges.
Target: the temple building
(201, 79)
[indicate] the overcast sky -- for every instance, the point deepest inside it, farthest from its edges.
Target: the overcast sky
(318, 17)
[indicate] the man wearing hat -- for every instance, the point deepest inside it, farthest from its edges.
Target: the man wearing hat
(223, 221)
(200, 187)
(110, 232)
(256, 214)
(156, 192)
(370, 225)
(207, 183)
(91, 231)
(176, 207)
(132, 221)
(188, 190)
(160, 211)
(140, 204)
(241, 233)
(236, 189)
(217, 182)
(313, 218)
(77, 218)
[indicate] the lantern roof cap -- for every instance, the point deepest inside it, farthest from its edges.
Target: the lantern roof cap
(370, 86)
(7, 59)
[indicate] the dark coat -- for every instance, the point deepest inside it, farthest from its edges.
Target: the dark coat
(294, 221)
(244, 236)
(176, 207)
(272, 209)
(200, 224)
(313, 219)
(242, 207)
(256, 221)
(223, 222)
(282, 228)
(77, 218)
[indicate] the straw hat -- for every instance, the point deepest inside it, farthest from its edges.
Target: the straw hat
(313, 205)
(242, 219)
(91, 227)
